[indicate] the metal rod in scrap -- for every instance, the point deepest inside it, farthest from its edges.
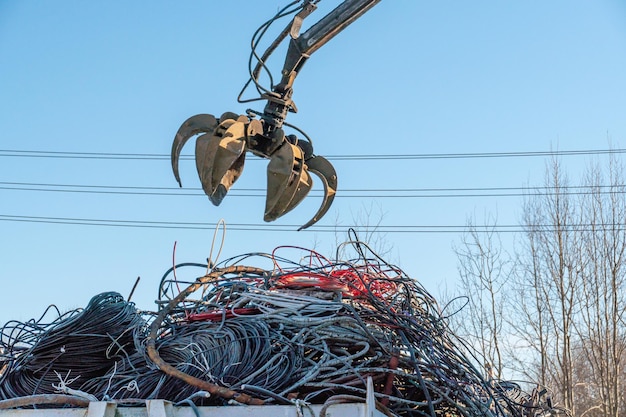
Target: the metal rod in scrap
(213, 389)
(44, 399)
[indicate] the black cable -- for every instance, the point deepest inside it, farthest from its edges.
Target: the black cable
(251, 227)
(261, 61)
(167, 157)
(389, 193)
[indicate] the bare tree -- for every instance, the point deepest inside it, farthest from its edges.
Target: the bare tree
(558, 314)
(484, 269)
(603, 288)
(529, 318)
(551, 222)
(571, 290)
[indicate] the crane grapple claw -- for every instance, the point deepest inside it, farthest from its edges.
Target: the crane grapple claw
(288, 181)
(200, 123)
(221, 149)
(220, 156)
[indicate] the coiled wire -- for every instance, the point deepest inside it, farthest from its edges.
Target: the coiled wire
(79, 346)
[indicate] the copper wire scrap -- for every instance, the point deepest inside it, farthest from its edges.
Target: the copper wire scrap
(309, 329)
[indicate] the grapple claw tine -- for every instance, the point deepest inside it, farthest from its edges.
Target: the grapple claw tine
(279, 172)
(228, 159)
(195, 124)
(220, 157)
(233, 173)
(298, 191)
(326, 172)
(228, 116)
(206, 146)
(288, 181)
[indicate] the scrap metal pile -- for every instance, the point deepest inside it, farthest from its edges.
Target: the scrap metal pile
(310, 330)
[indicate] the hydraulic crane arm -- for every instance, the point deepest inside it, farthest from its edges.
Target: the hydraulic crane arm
(301, 47)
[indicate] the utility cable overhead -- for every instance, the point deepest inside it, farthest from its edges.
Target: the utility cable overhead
(469, 192)
(352, 157)
(430, 229)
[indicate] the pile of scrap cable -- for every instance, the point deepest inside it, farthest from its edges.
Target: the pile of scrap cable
(309, 330)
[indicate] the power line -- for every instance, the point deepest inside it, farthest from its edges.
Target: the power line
(472, 192)
(433, 229)
(471, 155)
(480, 155)
(201, 225)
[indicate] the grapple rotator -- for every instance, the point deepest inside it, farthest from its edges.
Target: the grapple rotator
(223, 142)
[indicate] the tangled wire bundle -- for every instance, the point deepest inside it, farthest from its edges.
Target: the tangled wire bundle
(311, 330)
(78, 347)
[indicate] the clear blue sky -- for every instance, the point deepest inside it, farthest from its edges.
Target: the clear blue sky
(409, 77)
